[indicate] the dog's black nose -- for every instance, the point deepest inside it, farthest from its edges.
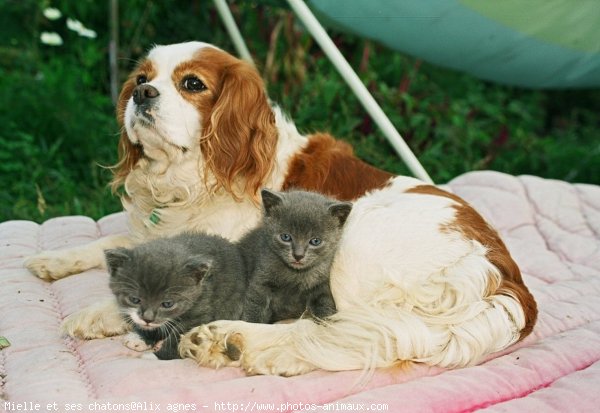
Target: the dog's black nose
(144, 93)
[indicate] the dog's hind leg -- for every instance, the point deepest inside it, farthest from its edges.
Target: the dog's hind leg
(358, 339)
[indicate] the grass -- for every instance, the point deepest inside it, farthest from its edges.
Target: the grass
(60, 128)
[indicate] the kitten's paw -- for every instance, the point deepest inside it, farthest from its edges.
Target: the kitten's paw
(97, 321)
(158, 345)
(134, 342)
(212, 348)
(54, 265)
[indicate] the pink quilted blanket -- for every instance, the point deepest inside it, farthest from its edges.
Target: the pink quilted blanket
(552, 228)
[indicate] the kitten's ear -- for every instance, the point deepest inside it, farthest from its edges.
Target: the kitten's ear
(198, 266)
(115, 259)
(270, 199)
(340, 210)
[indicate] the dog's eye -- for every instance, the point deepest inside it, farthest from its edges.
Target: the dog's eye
(193, 84)
(141, 79)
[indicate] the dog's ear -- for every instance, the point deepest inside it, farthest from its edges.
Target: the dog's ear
(129, 153)
(240, 138)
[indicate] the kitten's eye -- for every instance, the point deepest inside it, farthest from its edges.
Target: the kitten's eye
(285, 237)
(134, 300)
(193, 84)
(141, 79)
(315, 242)
(167, 304)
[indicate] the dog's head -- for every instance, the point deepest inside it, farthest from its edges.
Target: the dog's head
(196, 97)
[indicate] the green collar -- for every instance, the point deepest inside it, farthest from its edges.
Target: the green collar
(155, 216)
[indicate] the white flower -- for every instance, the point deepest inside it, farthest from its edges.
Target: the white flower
(89, 33)
(81, 30)
(52, 14)
(51, 38)
(74, 25)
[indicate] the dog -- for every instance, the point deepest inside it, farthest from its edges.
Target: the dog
(419, 276)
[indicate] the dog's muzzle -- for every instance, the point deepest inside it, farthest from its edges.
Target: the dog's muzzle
(144, 97)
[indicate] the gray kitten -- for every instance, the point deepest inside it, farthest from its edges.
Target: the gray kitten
(289, 256)
(167, 286)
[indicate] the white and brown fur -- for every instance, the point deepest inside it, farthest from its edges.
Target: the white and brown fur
(420, 276)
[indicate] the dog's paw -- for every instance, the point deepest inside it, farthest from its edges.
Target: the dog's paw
(134, 342)
(257, 348)
(54, 265)
(98, 321)
(212, 346)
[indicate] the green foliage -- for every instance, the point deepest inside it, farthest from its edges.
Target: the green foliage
(59, 125)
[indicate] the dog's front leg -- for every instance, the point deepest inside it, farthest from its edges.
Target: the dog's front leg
(100, 320)
(54, 265)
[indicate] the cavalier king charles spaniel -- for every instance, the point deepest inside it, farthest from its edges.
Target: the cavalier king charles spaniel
(419, 275)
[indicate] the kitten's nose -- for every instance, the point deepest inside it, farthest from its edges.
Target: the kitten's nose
(298, 255)
(148, 316)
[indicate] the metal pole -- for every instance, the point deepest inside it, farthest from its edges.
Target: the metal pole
(113, 50)
(318, 32)
(232, 29)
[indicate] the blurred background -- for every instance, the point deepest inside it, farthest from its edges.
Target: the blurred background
(59, 132)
